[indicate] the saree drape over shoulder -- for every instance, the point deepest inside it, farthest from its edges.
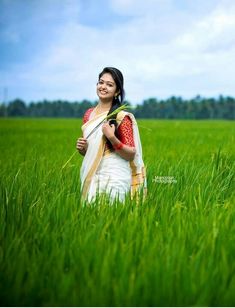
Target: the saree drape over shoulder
(105, 171)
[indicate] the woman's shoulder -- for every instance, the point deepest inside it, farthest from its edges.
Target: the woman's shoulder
(87, 114)
(125, 130)
(125, 117)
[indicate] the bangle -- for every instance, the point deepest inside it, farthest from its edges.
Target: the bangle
(118, 146)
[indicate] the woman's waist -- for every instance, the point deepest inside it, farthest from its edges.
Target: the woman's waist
(113, 161)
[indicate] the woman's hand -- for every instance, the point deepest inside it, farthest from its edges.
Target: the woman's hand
(82, 145)
(108, 130)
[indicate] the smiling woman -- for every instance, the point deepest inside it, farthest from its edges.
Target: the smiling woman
(112, 161)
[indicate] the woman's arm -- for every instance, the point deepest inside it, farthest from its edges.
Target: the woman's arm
(125, 146)
(125, 151)
(82, 146)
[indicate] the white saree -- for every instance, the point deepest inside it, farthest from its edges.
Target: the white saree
(107, 172)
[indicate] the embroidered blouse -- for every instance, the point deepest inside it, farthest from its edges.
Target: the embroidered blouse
(125, 130)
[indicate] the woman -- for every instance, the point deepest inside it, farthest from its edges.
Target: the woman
(112, 151)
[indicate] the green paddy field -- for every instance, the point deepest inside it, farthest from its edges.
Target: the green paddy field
(177, 248)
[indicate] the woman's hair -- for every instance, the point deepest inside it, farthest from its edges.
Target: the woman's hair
(118, 100)
(119, 81)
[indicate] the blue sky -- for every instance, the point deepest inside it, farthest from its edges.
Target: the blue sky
(55, 49)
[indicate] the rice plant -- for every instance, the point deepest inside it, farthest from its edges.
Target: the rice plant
(174, 249)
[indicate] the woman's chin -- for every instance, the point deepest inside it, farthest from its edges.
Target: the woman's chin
(104, 97)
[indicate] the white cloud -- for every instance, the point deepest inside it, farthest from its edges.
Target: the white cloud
(176, 54)
(214, 30)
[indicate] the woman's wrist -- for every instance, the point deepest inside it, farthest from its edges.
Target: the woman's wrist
(112, 139)
(116, 143)
(118, 146)
(83, 151)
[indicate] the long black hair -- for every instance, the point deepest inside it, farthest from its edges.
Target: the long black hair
(119, 98)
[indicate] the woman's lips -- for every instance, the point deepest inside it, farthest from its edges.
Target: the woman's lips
(103, 92)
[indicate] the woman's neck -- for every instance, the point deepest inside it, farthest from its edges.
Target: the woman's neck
(104, 106)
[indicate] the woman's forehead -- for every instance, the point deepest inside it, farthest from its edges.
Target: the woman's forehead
(107, 77)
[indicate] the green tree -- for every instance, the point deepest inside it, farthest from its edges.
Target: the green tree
(17, 108)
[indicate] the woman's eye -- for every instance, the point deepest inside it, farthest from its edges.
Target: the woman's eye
(108, 84)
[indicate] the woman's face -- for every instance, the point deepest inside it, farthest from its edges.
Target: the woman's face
(106, 87)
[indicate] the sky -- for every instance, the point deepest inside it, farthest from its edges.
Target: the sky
(55, 49)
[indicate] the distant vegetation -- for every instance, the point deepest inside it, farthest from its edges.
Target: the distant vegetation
(171, 108)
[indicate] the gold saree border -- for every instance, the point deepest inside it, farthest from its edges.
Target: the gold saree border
(94, 119)
(93, 168)
(137, 178)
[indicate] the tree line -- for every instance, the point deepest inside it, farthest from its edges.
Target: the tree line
(152, 108)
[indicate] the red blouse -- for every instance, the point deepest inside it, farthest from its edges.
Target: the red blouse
(125, 130)
(87, 115)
